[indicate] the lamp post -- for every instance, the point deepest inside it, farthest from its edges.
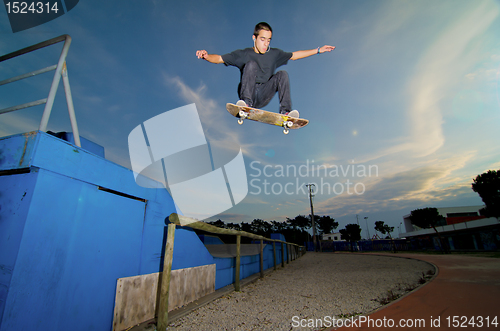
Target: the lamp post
(310, 186)
(367, 230)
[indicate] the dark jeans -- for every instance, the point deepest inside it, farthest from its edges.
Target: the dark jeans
(258, 95)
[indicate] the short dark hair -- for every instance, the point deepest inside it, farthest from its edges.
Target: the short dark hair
(261, 26)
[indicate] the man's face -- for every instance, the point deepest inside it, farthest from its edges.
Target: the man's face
(262, 41)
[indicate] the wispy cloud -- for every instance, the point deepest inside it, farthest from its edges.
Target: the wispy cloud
(13, 123)
(451, 56)
(412, 172)
(425, 184)
(225, 141)
(222, 140)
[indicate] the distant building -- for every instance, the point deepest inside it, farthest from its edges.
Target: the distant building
(331, 237)
(463, 228)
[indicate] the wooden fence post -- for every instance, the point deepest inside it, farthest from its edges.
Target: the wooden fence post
(237, 267)
(274, 254)
(287, 253)
(282, 255)
(165, 279)
(261, 258)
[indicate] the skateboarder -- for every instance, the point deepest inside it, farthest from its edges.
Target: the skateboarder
(259, 82)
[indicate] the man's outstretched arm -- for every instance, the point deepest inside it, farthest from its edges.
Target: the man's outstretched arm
(302, 54)
(212, 58)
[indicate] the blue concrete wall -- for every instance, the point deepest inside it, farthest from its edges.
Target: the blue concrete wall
(71, 224)
(15, 200)
(64, 241)
(249, 265)
(189, 251)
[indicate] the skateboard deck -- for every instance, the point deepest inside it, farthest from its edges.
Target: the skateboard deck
(264, 116)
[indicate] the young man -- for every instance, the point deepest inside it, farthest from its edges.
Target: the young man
(257, 64)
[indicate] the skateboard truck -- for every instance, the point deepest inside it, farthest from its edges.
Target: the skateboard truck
(242, 116)
(286, 126)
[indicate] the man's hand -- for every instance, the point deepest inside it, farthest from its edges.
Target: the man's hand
(302, 54)
(326, 48)
(212, 58)
(201, 54)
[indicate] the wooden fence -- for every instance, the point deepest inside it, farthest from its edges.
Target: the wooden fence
(180, 220)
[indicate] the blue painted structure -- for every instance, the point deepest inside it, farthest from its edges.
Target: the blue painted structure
(71, 224)
(249, 265)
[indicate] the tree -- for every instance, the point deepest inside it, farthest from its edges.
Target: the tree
(233, 226)
(261, 227)
(279, 227)
(383, 228)
(326, 224)
(427, 218)
(351, 233)
(293, 229)
(246, 227)
(487, 185)
(218, 223)
(300, 222)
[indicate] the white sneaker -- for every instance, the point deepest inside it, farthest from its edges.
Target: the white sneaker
(241, 103)
(294, 113)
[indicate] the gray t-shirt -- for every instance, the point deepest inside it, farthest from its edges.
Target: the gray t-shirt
(268, 62)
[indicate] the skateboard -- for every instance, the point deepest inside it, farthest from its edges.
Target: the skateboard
(264, 116)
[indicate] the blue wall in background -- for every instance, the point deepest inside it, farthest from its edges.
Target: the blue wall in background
(67, 234)
(249, 265)
(189, 251)
(71, 224)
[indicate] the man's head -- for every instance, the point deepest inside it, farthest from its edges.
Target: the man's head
(261, 26)
(262, 37)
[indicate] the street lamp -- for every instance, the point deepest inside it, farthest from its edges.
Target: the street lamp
(310, 186)
(367, 230)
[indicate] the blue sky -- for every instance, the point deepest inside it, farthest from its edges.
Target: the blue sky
(411, 92)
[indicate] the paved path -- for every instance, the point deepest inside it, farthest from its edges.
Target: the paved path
(466, 289)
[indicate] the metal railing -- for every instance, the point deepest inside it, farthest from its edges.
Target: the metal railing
(61, 71)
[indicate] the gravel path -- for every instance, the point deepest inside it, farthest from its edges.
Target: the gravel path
(313, 287)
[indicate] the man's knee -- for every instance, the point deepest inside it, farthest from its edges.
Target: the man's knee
(251, 65)
(282, 75)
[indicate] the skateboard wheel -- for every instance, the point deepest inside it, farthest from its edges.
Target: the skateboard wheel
(289, 124)
(286, 131)
(242, 114)
(240, 121)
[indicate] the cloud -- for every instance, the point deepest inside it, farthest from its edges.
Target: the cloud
(451, 55)
(425, 184)
(225, 141)
(13, 123)
(448, 58)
